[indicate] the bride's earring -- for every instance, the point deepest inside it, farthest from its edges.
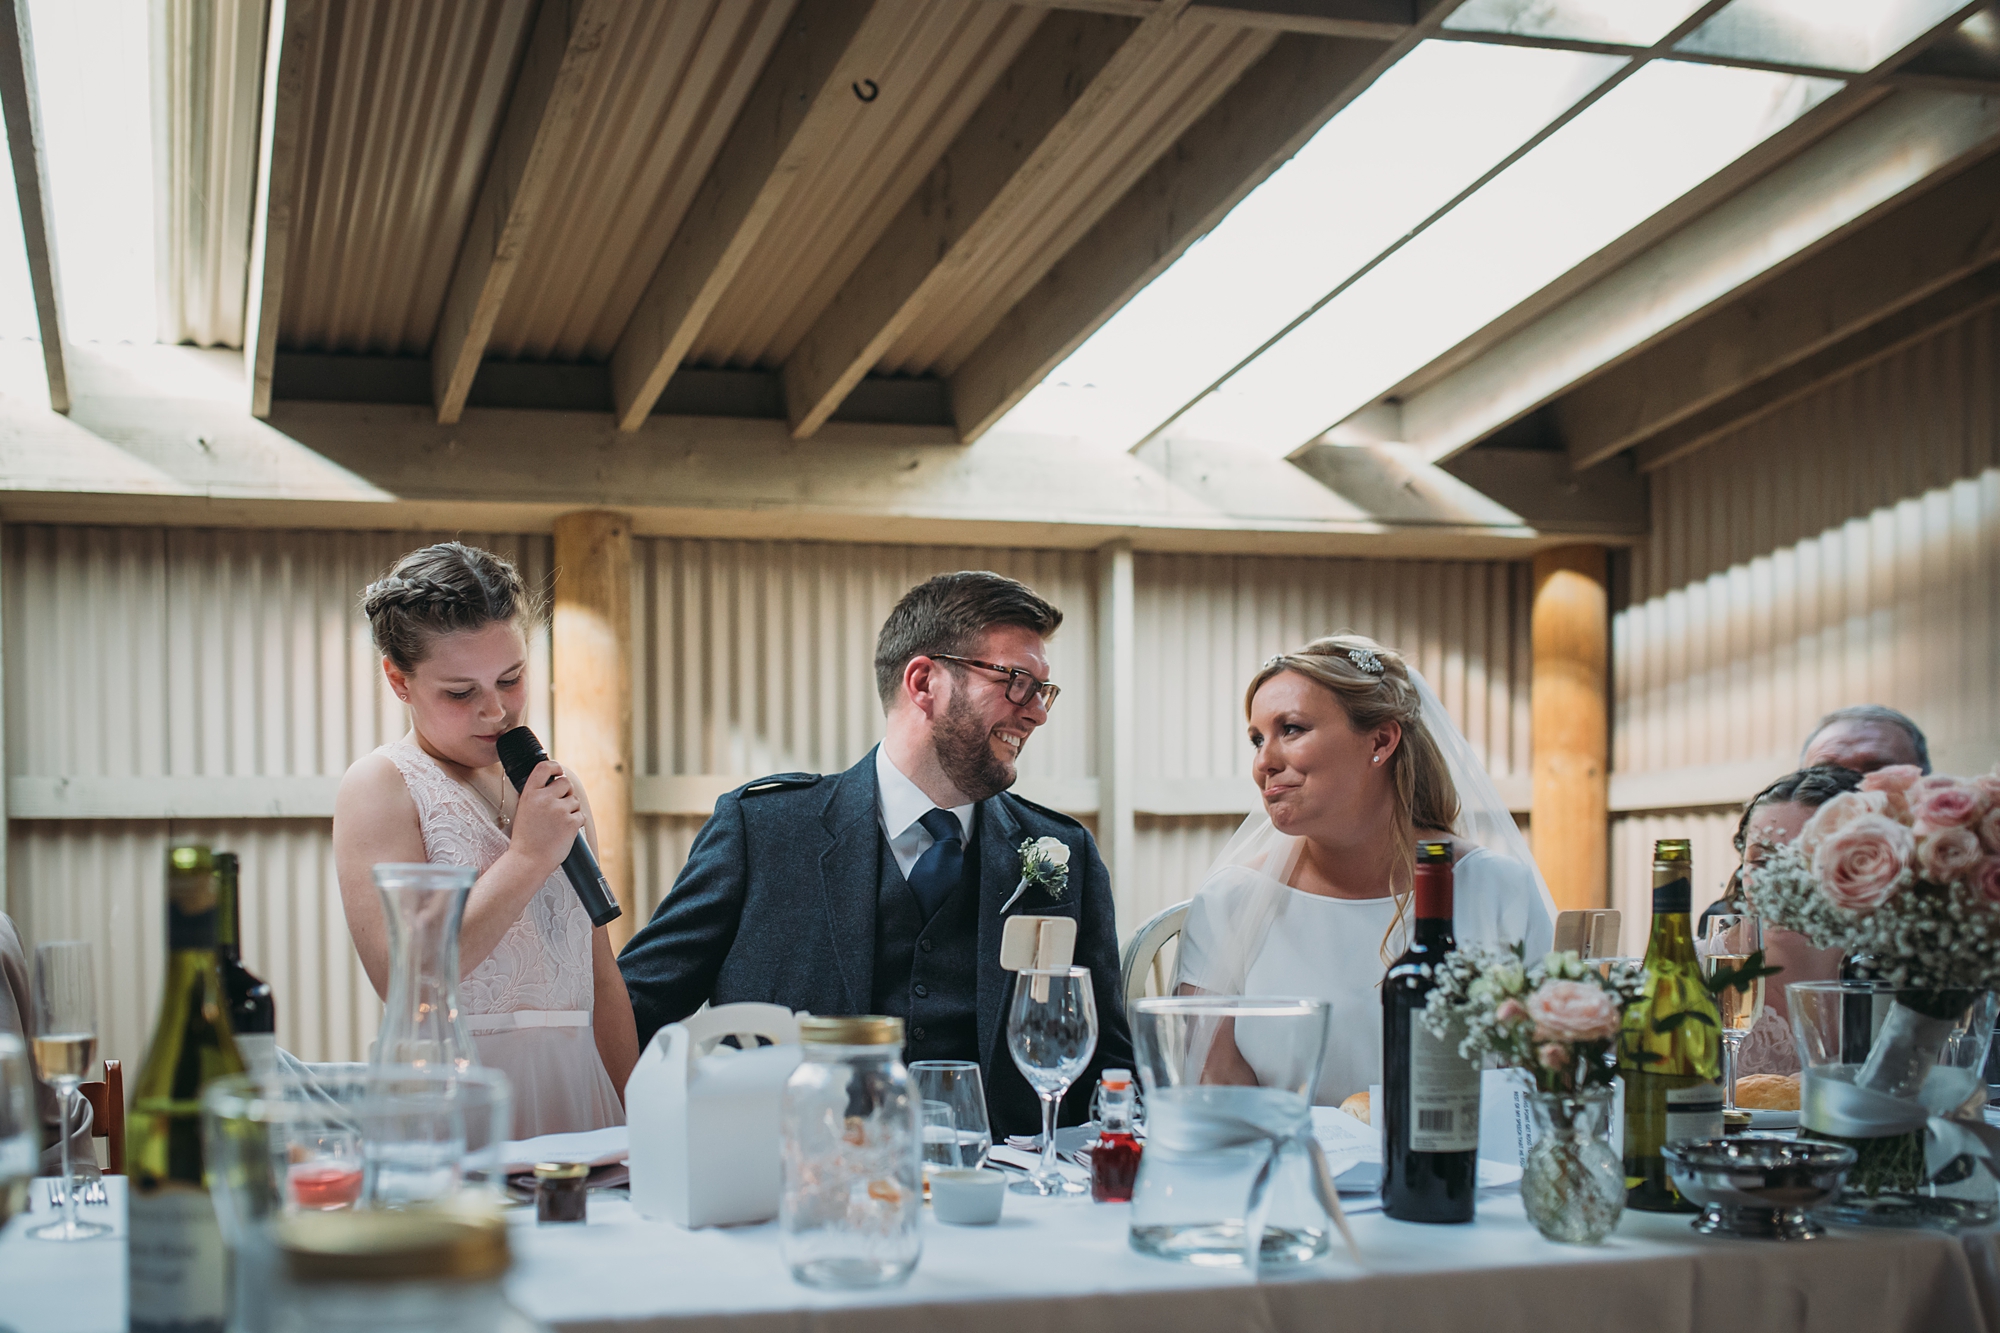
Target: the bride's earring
(1376, 760)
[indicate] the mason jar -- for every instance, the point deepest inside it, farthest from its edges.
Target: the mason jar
(850, 1210)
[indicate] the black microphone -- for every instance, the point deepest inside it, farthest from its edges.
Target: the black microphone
(519, 753)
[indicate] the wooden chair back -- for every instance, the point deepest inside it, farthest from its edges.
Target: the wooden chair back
(107, 1114)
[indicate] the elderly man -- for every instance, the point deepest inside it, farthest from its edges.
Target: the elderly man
(1864, 738)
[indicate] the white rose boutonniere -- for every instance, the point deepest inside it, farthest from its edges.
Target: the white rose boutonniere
(1044, 866)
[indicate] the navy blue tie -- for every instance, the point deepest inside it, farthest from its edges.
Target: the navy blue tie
(938, 870)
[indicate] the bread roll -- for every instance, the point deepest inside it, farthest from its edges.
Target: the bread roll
(1768, 1092)
(1357, 1106)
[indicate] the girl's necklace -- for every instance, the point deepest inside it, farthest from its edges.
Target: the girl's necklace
(500, 816)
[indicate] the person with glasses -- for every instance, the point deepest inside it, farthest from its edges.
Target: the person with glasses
(885, 889)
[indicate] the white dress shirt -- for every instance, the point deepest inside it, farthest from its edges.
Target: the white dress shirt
(899, 804)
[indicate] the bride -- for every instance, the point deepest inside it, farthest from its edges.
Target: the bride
(1356, 760)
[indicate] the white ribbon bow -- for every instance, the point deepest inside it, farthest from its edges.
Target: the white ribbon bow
(1193, 1125)
(1831, 1104)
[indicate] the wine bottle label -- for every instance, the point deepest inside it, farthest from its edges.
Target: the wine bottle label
(179, 1268)
(259, 1051)
(1444, 1095)
(1694, 1113)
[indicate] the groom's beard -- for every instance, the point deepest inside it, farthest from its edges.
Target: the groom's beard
(965, 753)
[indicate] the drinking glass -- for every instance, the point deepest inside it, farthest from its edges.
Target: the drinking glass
(955, 1084)
(1051, 1033)
(65, 1046)
(1729, 939)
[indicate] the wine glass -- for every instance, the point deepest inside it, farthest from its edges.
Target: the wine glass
(956, 1084)
(65, 1047)
(1051, 1032)
(1730, 938)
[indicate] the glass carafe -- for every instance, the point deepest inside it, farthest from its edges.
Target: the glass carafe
(1231, 1175)
(421, 1025)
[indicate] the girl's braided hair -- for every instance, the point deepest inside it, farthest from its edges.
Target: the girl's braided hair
(439, 590)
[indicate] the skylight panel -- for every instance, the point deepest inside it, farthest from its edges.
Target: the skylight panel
(1627, 22)
(94, 67)
(1648, 141)
(1429, 127)
(1828, 34)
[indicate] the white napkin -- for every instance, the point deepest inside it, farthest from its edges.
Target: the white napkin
(595, 1147)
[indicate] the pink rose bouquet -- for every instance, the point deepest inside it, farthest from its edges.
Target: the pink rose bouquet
(1905, 870)
(1557, 1019)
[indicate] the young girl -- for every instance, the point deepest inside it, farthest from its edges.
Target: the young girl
(540, 988)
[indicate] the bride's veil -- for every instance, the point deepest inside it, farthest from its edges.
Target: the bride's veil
(1256, 863)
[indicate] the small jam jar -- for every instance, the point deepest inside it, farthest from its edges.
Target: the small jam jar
(560, 1191)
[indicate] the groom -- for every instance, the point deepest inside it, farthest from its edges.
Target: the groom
(883, 889)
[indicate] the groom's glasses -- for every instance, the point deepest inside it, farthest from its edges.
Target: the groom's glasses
(1021, 685)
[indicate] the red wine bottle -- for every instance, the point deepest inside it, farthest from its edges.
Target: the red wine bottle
(1430, 1093)
(253, 1012)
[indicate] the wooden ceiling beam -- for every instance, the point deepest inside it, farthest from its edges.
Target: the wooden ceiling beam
(1077, 71)
(788, 119)
(295, 30)
(22, 106)
(1377, 20)
(1751, 237)
(563, 50)
(1918, 248)
(1250, 132)
(1912, 324)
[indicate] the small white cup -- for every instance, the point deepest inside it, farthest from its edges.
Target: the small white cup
(967, 1198)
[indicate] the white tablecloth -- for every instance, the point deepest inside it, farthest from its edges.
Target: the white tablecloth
(1052, 1266)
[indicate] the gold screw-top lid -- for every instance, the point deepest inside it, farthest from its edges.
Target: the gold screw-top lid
(852, 1030)
(1673, 849)
(561, 1170)
(457, 1243)
(1433, 853)
(191, 879)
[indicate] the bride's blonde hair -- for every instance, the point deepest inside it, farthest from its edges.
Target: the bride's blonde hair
(1372, 685)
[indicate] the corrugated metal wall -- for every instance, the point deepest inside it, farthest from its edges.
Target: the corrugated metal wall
(192, 653)
(1206, 623)
(1844, 549)
(757, 657)
(187, 654)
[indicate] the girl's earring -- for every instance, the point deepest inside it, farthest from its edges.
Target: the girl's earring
(1376, 760)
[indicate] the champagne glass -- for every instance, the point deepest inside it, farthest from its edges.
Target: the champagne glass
(957, 1085)
(65, 1046)
(1051, 1033)
(1729, 939)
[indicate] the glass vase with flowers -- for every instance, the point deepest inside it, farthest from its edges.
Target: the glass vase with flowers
(1906, 871)
(1557, 1021)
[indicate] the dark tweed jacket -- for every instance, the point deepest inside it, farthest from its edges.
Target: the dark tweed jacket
(777, 904)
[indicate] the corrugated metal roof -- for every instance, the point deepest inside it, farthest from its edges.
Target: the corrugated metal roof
(951, 54)
(652, 122)
(1182, 79)
(401, 112)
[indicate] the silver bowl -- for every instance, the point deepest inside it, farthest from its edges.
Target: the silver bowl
(1758, 1188)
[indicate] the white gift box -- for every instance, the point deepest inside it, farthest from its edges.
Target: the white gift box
(704, 1118)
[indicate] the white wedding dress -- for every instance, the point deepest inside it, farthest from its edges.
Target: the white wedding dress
(1331, 949)
(528, 1003)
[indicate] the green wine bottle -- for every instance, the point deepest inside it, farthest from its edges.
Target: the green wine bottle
(1669, 1053)
(178, 1267)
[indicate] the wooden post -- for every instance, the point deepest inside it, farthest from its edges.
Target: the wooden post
(591, 643)
(1570, 630)
(1117, 839)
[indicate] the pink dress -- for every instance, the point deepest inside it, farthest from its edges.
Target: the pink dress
(529, 1002)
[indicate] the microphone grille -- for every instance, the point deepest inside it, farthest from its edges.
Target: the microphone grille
(519, 753)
